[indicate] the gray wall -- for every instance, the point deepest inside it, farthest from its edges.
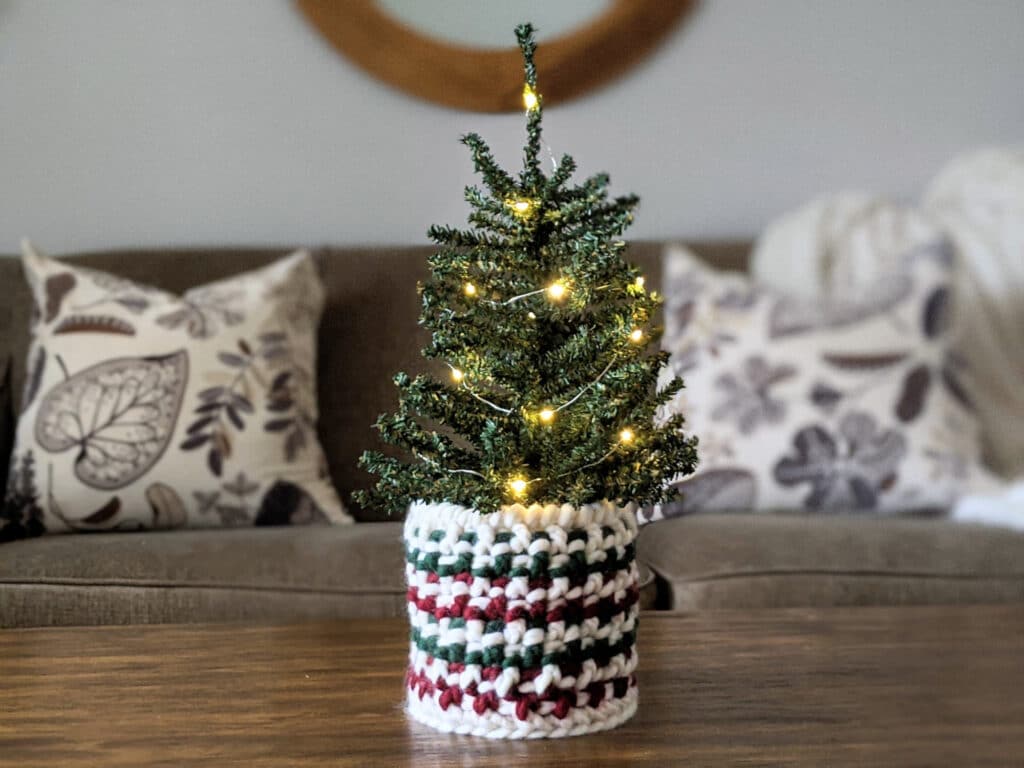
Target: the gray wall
(222, 121)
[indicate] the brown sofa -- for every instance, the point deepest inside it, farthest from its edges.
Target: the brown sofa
(368, 333)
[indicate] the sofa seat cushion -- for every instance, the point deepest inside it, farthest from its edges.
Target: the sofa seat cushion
(773, 561)
(237, 574)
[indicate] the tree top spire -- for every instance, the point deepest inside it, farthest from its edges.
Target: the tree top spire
(528, 45)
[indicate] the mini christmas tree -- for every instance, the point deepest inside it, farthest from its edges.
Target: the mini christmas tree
(547, 335)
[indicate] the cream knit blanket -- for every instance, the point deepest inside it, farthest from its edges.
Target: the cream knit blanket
(840, 243)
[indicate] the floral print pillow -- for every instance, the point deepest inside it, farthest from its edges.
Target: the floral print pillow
(147, 410)
(854, 404)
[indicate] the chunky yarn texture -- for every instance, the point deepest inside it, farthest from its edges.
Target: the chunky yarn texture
(523, 621)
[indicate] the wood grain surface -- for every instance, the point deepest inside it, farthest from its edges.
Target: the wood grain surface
(929, 686)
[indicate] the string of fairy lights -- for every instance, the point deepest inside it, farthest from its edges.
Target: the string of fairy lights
(556, 291)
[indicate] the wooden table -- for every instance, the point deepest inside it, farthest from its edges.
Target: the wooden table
(866, 686)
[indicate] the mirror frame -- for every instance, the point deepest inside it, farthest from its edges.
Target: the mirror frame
(491, 80)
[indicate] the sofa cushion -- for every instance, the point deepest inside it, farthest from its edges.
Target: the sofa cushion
(251, 574)
(7, 422)
(369, 325)
(772, 561)
(237, 574)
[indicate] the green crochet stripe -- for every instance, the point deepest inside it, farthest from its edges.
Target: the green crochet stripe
(539, 567)
(503, 537)
(532, 657)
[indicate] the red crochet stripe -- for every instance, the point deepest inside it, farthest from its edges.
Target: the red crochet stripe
(497, 609)
(525, 703)
(568, 669)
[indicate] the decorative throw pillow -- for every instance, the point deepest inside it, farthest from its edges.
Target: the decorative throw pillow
(825, 406)
(147, 410)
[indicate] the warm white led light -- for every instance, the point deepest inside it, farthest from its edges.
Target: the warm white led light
(522, 207)
(557, 290)
(530, 100)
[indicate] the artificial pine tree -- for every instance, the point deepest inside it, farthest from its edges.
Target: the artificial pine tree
(547, 335)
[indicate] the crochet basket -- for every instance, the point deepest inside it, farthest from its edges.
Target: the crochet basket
(523, 621)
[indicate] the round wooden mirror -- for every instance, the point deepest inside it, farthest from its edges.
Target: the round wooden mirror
(486, 79)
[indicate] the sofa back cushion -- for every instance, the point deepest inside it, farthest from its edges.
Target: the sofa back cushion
(368, 331)
(7, 420)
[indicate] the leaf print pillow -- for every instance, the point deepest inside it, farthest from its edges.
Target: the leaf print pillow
(845, 405)
(147, 410)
